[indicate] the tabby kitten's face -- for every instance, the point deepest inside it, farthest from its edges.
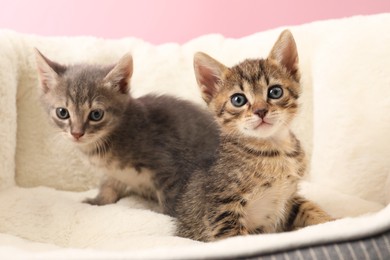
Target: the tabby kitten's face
(256, 97)
(84, 101)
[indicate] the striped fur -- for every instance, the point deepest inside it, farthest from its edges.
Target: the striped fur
(251, 187)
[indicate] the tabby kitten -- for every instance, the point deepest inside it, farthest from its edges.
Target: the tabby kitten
(147, 145)
(251, 187)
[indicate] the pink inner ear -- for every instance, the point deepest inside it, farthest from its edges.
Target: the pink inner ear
(119, 77)
(123, 86)
(208, 80)
(287, 53)
(46, 79)
(290, 61)
(45, 86)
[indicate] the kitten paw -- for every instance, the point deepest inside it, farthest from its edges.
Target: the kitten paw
(98, 201)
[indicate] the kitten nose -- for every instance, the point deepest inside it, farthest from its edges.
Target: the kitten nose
(261, 112)
(77, 135)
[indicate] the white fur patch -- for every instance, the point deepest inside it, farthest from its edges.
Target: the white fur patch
(137, 181)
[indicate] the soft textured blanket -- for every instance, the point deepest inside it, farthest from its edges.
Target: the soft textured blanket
(344, 125)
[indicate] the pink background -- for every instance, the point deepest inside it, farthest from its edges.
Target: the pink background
(160, 21)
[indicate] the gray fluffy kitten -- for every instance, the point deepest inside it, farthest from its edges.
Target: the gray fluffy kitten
(149, 145)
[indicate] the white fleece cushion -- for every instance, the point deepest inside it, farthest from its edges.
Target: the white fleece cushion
(351, 79)
(8, 122)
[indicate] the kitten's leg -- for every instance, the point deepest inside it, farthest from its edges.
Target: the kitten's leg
(226, 224)
(305, 213)
(111, 190)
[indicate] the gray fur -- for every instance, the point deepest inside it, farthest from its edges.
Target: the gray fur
(158, 140)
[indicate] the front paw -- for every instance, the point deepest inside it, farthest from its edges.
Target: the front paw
(108, 194)
(93, 201)
(99, 201)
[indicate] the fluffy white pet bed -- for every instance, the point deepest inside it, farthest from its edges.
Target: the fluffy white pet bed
(344, 125)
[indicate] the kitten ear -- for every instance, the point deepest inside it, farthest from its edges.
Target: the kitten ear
(48, 71)
(119, 76)
(208, 73)
(285, 53)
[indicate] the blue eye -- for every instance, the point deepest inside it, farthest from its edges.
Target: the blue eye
(96, 115)
(275, 92)
(238, 100)
(62, 113)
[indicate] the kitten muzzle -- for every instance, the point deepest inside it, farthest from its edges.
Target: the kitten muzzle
(77, 135)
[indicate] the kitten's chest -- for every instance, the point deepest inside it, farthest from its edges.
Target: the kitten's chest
(266, 206)
(274, 187)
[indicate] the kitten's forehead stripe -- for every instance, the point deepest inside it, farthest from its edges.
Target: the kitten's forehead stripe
(83, 83)
(252, 72)
(261, 66)
(69, 96)
(243, 75)
(240, 85)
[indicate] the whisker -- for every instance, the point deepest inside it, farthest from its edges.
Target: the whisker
(101, 146)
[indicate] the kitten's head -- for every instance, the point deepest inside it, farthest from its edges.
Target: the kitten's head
(256, 97)
(84, 101)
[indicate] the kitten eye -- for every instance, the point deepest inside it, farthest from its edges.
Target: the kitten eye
(62, 113)
(238, 100)
(96, 115)
(275, 92)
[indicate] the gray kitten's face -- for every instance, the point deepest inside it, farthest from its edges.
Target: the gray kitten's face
(82, 107)
(84, 101)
